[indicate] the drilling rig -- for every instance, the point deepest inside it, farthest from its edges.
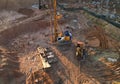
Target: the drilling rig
(59, 37)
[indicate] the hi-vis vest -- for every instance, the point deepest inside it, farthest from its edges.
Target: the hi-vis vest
(78, 51)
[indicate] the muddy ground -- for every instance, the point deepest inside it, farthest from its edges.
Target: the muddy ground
(18, 54)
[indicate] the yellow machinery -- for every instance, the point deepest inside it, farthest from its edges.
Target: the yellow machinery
(55, 22)
(62, 36)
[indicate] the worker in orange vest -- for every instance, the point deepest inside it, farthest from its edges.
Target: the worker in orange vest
(79, 50)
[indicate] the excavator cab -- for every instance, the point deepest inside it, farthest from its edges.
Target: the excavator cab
(64, 38)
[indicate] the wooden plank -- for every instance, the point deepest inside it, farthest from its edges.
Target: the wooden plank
(45, 64)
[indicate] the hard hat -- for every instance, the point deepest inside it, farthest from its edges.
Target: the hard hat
(79, 42)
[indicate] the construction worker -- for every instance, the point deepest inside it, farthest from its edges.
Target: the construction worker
(85, 50)
(84, 53)
(79, 50)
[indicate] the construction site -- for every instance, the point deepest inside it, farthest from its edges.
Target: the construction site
(59, 42)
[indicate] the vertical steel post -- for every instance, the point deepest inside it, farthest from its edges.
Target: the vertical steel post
(55, 21)
(40, 3)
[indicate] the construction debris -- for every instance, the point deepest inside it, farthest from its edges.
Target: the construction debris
(39, 77)
(112, 60)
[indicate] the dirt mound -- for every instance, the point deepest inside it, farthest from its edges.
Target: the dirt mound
(26, 11)
(97, 32)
